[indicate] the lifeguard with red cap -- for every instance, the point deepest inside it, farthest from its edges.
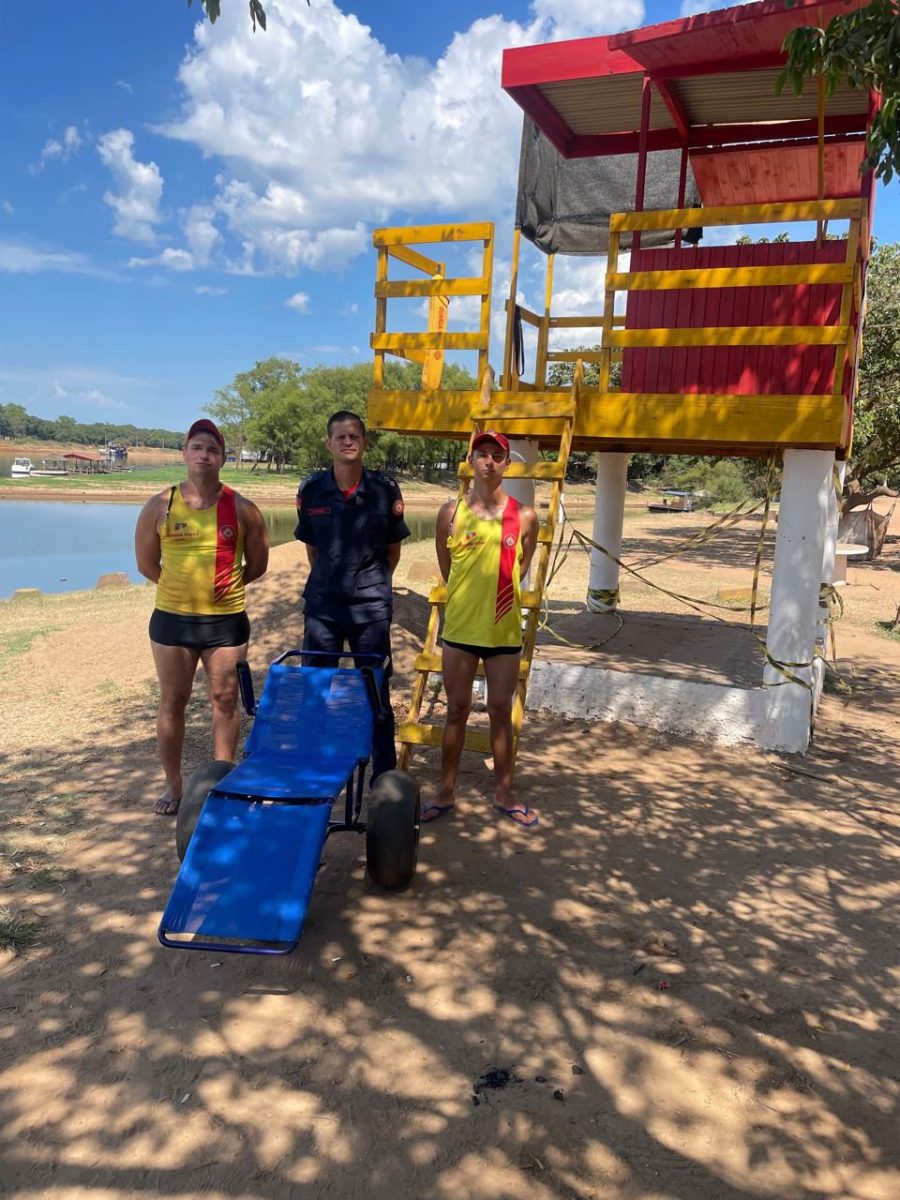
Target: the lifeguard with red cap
(200, 542)
(485, 543)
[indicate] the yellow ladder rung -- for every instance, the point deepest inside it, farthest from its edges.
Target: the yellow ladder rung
(540, 470)
(562, 409)
(530, 599)
(414, 734)
(432, 663)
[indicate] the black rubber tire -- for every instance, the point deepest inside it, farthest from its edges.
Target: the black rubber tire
(197, 788)
(392, 830)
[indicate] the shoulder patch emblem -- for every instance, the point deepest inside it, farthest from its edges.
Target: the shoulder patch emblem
(398, 508)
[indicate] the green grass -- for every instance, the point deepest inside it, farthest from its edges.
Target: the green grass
(20, 643)
(16, 933)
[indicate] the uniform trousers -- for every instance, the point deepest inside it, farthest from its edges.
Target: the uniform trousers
(326, 634)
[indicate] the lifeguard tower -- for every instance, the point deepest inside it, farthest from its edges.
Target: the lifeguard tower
(635, 148)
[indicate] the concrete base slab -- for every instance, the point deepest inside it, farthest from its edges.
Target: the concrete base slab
(686, 675)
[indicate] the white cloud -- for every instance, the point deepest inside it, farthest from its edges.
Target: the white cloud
(346, 134)
(174, 260)
(201, 233)
(8, 208)
(61, 149)
(124, 85)
(299, 302)
(19, 258)
(206, 290)
(350, 309)
(690, 8)
(586, 18)
(84, 390)
(137, 202)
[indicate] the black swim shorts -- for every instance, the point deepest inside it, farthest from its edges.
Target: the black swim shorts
(199, 632)
(483, 651)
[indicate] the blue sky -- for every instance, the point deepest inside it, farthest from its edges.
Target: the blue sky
(179, 200)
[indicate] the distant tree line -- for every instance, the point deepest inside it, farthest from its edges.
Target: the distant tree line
(18, 425)
(279, 411)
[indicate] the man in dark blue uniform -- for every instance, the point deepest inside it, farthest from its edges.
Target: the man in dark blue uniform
(351, 520)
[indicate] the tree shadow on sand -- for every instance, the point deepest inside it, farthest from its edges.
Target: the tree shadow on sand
(694, 950)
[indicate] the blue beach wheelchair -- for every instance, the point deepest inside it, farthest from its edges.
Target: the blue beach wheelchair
(251, 836)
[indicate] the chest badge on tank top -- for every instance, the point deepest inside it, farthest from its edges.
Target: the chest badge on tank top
(228, 533)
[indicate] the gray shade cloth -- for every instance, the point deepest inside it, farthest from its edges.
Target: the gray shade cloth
(563, 204)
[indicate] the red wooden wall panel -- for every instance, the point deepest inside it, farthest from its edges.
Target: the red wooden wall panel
(733, 370)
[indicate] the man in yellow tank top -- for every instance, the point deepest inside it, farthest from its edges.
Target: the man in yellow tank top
(200, 542)
(485, 544)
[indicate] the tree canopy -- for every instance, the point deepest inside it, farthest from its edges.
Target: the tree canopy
(19, 425)
(863, 48)
(281, 409)
(876, 436)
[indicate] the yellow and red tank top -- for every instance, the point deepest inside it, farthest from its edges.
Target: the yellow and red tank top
(202, 557)
(484, 605)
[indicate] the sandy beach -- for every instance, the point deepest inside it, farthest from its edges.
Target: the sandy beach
(686, 978)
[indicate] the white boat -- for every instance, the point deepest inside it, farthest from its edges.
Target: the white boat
(21, 467)
(50, 466)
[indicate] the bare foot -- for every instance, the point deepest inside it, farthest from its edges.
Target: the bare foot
(168, 803)
(443, 803)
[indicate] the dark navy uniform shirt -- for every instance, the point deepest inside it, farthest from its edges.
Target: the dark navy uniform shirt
(350, 579)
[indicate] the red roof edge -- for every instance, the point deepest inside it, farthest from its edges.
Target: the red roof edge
(555, 62)
(824, 10)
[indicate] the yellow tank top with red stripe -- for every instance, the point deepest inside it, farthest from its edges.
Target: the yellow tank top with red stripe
(484, 606)
(202, 557)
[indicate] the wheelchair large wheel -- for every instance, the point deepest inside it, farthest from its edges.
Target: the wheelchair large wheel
(197, 788)
(392, 830)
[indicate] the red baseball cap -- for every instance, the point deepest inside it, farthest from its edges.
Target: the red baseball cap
(490, 435)
(204, 425)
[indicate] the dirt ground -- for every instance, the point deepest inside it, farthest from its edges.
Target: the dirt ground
(688, 972)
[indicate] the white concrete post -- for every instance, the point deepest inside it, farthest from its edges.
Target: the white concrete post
(794, 603)
(831, 537)
(522, 450)
(609, 513)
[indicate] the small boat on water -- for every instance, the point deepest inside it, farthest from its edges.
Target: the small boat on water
(21, 467)
(50, 466)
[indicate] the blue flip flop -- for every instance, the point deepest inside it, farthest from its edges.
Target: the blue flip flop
(521, 815)
(437, 811)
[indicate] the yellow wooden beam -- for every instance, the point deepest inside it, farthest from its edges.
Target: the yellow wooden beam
(738, 214)
(588, 356)
(529, 317)
(432, 735)
(433, 287)
(629, 417)
(407, 235)
(413, 258)
(432, 662)
(538, 470)
(428, 341)
(576, 322)
(545, 409)
(733, 335)
(715, 277)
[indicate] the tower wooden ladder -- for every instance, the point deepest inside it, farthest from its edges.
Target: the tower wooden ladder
(499, 410)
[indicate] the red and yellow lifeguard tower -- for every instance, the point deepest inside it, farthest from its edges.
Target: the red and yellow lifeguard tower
(635, 148)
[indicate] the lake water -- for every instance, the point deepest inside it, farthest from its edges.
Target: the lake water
(60, 546)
